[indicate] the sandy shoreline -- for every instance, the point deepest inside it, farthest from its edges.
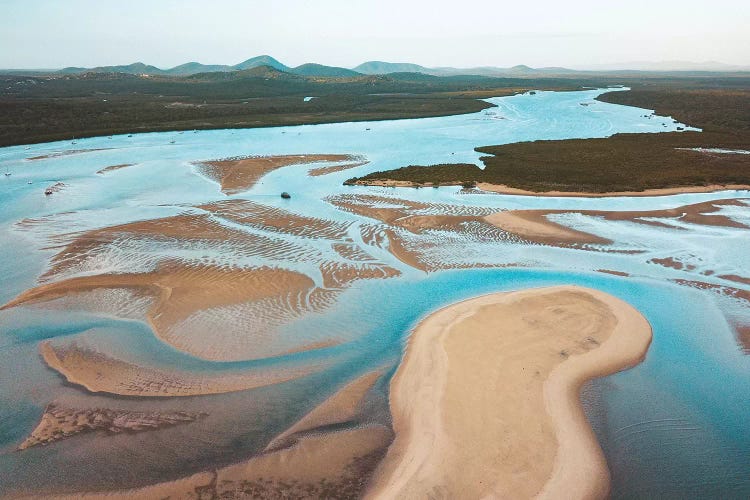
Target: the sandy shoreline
(512, 425)
(235, 175)
(503, 189)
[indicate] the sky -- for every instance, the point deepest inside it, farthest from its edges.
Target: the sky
(165, 33)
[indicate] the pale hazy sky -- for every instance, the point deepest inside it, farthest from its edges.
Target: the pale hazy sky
(581, 33)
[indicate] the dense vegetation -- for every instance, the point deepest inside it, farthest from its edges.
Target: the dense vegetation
(55, 107)
(623, 162)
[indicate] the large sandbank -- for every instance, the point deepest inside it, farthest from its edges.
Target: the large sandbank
(485, 402)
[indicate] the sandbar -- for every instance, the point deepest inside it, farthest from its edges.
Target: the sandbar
(713, 188)
(235, 175)
(486, 400)
(98, 372)
(114, 167)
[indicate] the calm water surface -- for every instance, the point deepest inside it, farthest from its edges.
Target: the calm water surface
(674, 426)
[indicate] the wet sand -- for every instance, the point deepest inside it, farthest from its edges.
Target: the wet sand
(315, 172)
(533, 225)
(326, 465)
(114, 167)
(235, 175)
(310, 459)
(502, 189)
(97, 372)
(262, 297)
(506, 369)
(60, 423)
(58, 154)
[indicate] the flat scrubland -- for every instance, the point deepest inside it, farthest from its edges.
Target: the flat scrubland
(61, 107)
(623, 162)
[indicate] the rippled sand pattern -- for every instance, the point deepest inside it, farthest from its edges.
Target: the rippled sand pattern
(182, 285)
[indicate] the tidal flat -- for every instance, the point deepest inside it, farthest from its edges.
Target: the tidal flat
(277, 324)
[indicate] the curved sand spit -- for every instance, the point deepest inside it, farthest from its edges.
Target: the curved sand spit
(485, 403)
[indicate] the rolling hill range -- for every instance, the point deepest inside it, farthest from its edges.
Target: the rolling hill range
(388, 68)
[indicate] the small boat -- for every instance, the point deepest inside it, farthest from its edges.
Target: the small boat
(130, 135)
(171, 142)
(286, 195)
(7, 174)
(48, 191)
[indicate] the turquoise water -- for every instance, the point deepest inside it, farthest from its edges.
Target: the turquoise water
(674, 426)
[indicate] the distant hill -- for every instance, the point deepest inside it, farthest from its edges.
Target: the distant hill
(390, 68)
(192, 68)
(312, 69)
(264, 60)
(384, 68)
(267, 72)
(132, 69)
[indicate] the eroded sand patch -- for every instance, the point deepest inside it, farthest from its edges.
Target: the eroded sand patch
(59, 422)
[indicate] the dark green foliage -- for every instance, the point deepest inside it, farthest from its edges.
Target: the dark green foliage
(46, 108)
(623, 162)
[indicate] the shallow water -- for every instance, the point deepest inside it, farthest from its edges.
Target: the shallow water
(674, 426)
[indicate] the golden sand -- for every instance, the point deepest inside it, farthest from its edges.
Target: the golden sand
(485, 402)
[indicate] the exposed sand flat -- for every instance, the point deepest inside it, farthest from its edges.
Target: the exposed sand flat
(57, 154)
(743, 337)
(340, 408)
(673, 263)
(735, 278)
(533, 225)
(181, 291)
(502, 189)
(276, 219)
(726, 291)
(315, 172)
(401, 252)
(341, 275)
(114, 167)
(485, 403)
(326, 465)
(613, 272)
(62, 423)
(100, 373)
(235, 175)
